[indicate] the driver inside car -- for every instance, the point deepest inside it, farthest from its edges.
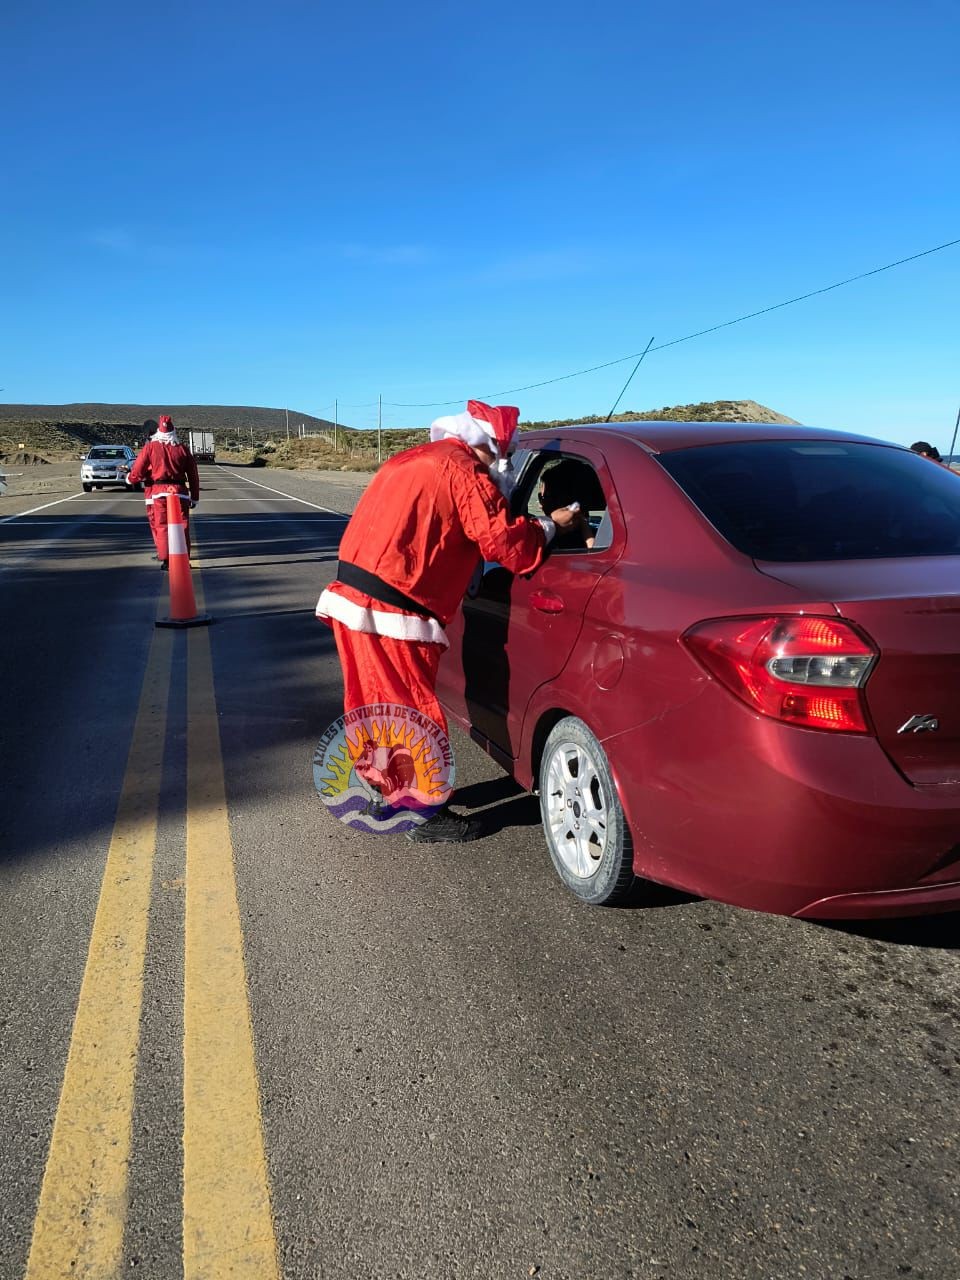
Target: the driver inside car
(571, 484)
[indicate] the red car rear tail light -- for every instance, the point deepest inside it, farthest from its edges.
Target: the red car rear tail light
(808, 671)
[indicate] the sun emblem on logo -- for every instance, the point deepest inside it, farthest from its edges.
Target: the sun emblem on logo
(383, 768)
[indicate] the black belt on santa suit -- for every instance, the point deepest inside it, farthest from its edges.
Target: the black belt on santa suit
(351, 575)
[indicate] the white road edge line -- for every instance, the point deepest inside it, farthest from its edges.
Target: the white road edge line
(7, 519)
(83, 522)
(252, 498)
(196, 515)
(315, 505)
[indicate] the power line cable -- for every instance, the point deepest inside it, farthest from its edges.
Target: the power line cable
(751, 315)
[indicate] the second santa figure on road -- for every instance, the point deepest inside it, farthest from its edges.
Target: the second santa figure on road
(165, 466)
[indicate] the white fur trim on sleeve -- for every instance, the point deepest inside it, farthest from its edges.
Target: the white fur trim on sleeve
(548, 526)
(378, 622)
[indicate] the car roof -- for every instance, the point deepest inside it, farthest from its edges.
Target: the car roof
(663, 437)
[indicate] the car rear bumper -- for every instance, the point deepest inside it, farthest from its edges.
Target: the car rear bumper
(917, 901)
(787, 820)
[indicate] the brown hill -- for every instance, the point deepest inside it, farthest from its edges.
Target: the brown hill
(707, 411)
(66, 430)
(59, 430)
(357, 450)
(198, 417)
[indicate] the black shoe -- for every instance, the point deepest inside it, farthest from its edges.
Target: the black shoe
(164, 565)
(446, 827)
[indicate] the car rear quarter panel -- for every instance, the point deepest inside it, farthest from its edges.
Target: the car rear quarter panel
(733, 805)
(713, 792)
(628, 667)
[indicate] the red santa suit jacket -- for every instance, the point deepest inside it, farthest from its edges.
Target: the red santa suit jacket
(424, 520)
(166, 464)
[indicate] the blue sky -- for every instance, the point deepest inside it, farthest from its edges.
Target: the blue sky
(284, 204)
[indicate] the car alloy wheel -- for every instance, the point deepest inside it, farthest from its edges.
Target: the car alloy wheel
(583, 820)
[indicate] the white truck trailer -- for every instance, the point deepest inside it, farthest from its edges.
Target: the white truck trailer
(201, 446)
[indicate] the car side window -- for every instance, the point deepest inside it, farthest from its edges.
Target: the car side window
(556, 480)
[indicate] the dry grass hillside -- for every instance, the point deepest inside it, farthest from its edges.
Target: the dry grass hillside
(707, 411)
(67, 430)
(58, 432)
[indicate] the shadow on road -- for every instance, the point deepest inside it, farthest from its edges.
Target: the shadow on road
(941, 931)
(80, 601)
(479, 794)
(512, 807)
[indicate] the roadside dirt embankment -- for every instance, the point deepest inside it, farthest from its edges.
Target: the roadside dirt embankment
(32, 486)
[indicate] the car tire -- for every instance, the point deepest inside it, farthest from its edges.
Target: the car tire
(583, 820)
(87, 488)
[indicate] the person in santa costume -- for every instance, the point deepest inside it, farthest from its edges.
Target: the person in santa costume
(163, 466)
(424, 522)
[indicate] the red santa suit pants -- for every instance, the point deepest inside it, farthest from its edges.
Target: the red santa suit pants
(157, 517)
(148, 504)
(381, 669)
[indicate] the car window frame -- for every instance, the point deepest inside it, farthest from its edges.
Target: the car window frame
(532, 467)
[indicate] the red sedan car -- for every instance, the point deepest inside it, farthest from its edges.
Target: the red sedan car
(743, 678)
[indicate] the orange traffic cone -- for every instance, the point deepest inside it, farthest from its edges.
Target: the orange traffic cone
(183, 606)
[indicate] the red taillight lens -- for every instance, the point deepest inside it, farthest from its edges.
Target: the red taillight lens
(808, 671)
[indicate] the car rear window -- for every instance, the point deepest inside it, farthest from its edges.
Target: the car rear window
(793, 500)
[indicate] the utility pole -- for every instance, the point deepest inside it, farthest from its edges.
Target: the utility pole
(286, 414)
(336, 406)
(379, 428)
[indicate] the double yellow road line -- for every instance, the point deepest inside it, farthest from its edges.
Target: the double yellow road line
(227, 1222)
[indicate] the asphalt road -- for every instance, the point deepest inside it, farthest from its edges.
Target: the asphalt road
(363, 1058)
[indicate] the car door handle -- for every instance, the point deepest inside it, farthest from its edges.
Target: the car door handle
(546, 602)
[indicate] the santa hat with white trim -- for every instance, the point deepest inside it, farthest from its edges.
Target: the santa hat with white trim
(166, 432)
(494, 426)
